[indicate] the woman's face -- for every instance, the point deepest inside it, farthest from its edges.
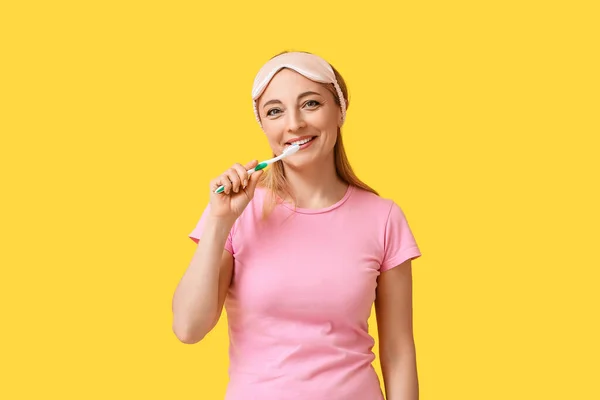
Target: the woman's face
(295, 109)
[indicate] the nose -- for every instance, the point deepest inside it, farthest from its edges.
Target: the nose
(295, 121)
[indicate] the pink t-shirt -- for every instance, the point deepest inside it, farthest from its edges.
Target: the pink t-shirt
(302, 292)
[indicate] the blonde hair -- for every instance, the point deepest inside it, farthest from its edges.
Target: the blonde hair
(274, 179)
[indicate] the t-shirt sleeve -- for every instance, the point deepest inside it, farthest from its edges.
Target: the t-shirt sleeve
(196, 233)
(400, 244)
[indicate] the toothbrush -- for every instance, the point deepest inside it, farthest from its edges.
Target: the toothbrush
(287, 152)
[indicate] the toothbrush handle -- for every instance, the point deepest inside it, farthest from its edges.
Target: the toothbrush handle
(265, 164)
(221, 188)
(260, 166)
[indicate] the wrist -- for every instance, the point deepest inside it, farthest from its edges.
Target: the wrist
(223, 222)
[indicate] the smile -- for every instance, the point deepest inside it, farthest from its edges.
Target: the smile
(301, 142)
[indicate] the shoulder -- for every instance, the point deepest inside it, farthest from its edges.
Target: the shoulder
(371, 203)
(378, 210)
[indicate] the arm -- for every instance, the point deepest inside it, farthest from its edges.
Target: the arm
(199, 297)
(393, 307)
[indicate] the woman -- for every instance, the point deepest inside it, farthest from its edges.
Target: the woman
(299, 254)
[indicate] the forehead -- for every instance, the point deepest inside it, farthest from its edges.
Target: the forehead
(288, 83)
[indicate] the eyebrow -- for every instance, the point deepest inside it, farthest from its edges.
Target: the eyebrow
(299, 97)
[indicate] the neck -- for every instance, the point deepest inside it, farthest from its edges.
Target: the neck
(317, 186)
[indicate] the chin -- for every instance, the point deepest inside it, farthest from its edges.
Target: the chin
(301, 160)
(296, 164)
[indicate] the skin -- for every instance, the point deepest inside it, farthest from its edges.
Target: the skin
(293, 107)
(397, 354)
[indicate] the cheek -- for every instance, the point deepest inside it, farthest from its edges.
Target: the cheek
(272, 128)
(326, 121)
(273, 135)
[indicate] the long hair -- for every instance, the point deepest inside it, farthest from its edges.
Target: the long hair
(274, 179)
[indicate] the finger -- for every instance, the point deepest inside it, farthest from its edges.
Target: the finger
(224, 181)
(242, 173)
(251, 164)
(214, 184)
(235, 179)
(254, 179)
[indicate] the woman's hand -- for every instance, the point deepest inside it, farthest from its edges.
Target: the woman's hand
(239, 190)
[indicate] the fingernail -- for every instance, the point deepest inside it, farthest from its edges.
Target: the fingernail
(245, 183)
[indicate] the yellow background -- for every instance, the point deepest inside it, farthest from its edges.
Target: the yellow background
(481, 119)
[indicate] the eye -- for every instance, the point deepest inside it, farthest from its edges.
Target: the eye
(272, 112)
(312, 103)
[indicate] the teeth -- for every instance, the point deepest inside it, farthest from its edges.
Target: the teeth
(301, 142)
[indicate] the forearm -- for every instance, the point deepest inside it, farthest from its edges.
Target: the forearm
(400, 376)
(195, 302)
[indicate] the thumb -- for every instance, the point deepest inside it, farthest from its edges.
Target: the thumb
(251, 164)
(254, 178)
